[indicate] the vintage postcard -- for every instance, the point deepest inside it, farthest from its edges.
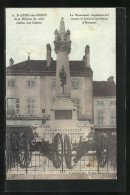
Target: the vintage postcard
(61, 93)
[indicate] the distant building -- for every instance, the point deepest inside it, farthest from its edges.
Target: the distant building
(104, 99)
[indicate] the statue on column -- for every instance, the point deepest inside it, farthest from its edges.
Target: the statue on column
(62, 75)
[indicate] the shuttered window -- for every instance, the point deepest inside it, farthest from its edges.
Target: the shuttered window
(12, 106)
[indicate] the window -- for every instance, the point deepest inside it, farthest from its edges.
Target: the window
(100, 103)
(53, 83)
(76, 102)
(12, 106)
(11, 83)
(112, 103)
(112, 117)
(100, 117)
(75, 84)
(31, 106)
(31, 83)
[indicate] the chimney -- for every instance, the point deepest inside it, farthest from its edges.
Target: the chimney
(83, 59)
(111, 78)
(11, 62)
(87, 56)
(28, 56)
(48, 55)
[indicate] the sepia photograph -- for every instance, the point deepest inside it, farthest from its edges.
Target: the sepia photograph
(61, 94)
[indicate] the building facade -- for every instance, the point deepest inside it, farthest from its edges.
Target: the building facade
(30, 91)
(104, 100)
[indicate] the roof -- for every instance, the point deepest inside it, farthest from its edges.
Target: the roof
(40, 66)
(104, 88)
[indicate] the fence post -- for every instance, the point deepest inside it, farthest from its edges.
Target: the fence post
(62, 154)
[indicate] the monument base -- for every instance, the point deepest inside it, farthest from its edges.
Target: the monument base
(63, 113)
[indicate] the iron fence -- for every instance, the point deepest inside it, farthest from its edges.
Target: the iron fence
(40, 163)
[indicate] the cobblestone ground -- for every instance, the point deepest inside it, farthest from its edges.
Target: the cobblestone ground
(41, 167)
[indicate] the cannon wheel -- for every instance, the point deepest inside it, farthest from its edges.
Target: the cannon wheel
(67, 151)
(24, 152)
(57, 147)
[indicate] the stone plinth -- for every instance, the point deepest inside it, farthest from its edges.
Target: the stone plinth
(63, 113)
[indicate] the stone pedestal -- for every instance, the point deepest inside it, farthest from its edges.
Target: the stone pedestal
(63, 113)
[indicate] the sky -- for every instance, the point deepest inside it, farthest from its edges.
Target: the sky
(22, 39)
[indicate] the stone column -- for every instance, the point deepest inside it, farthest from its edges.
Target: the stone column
(62, 48)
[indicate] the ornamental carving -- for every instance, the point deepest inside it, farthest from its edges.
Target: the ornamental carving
(59, 46)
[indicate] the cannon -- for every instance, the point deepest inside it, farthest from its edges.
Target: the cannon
(22, 141)
(103, 143)
(18, 146)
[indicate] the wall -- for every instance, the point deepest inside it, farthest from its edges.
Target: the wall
(83, 93)
(44, 92)
(22, 92)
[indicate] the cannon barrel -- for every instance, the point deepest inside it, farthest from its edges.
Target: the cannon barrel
(83, 147)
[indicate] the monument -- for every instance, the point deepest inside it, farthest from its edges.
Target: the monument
(63, 111)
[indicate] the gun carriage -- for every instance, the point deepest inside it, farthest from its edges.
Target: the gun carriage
(23, 141)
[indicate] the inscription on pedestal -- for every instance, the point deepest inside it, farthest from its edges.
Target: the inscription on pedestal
(63, 114)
